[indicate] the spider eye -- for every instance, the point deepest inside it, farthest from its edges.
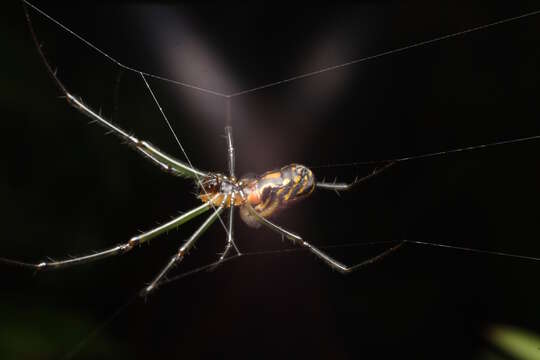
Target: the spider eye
(211, 184)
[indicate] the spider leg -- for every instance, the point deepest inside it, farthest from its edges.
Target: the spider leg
(231, 153)
(230, 237)
(345, 186)
(230, 242)
(119, 249)
(230, 150)
(320, 254)
(188, 244)
(296, 239)
(164, 161)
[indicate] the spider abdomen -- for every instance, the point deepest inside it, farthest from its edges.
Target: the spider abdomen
(267, 193)
(276, 190)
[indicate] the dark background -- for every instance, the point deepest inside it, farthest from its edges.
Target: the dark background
(66, 189)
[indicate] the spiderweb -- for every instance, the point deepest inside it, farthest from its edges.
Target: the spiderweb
(446, 152)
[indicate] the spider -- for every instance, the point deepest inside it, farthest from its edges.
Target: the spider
(257, 197)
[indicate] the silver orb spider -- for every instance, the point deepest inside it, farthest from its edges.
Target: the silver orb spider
(258, 198)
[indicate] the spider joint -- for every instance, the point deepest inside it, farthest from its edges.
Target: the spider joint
(126, 247)
(147, 290)
(136, 240)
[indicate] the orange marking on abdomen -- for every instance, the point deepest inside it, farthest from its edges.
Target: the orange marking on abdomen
(272, 175)
(254, 198)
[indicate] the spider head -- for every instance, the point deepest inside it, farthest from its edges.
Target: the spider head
(218, 184)
(211, 184)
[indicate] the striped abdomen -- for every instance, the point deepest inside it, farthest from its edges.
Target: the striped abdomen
(277, 189)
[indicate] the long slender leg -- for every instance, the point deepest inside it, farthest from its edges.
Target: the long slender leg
(230, 241)
(164, 161)
(119, 249)
(231, 153)
(326, 258)
(289, 235)
(230, 150)
(230, 232)
(184, 249)
(230, 235)
(345, 186)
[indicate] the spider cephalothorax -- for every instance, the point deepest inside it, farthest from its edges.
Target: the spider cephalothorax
(219, 189)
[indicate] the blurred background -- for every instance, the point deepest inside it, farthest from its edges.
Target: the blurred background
(67, 189)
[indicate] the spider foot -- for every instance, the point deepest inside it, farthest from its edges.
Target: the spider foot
(144, 293)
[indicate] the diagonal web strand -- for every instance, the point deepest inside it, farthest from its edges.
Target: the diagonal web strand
(385, 53)
(116, 62)
(351, 245)
(478, 251)
(433, 154)
(98, 329)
